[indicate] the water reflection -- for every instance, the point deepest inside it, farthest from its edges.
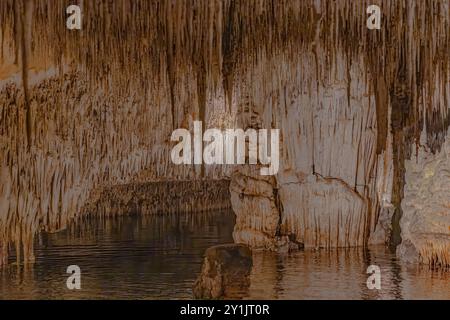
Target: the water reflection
(341, 274)
(149, 257)
(155, 257)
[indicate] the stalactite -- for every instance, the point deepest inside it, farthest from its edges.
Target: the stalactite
(25, 36)
(138, 69)
(160, 197)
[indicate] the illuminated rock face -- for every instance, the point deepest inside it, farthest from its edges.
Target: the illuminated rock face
(325, 214)
(425, 223)
(76, 118)
(255, 205)
(336, 186)
(328, 174)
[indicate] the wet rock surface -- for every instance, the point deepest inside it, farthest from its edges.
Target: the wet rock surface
(225, 272)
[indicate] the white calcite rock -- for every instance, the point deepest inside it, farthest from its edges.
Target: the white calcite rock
(320, 197)
(254, 203)
(323, 213)
(425, 223)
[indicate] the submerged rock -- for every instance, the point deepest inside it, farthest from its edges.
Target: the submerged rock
(225, 272)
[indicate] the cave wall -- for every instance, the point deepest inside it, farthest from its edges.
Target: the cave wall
(84, 110)
(347, 142)
(83, 142)
(425, 222)
(326, 191)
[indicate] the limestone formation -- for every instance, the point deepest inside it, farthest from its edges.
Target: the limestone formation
(161, 197)
(425, 223)
(225, 272)
(83, 111)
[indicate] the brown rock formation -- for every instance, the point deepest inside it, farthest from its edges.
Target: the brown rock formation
(161, 197)
(81, 111)
(225, 272)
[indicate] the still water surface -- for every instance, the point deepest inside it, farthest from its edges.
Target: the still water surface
(159, 257)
